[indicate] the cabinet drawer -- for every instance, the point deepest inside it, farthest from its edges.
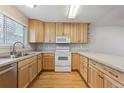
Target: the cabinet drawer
(83, 59)
(26, 61)
(110, 83)
(96, 65)
(114, 74)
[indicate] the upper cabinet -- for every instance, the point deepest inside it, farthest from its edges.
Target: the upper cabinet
(36, 31)
(83, 33)
(46, 32)
(75, 33)
(49, 32)
(59, 29)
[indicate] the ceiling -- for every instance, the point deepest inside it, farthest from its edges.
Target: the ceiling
(94, 14)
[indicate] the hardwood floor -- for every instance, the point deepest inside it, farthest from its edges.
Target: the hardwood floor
(58, 80)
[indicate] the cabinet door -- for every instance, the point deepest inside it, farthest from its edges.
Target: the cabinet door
(35, 31)
(45, 61)
(48, 61)
(50, 32)
(39, 63)
(67, 29)
(40, 32)
(23, 76)
(33, 70)
(75, 33)
(59, 29)
(110, 83)
(95, 78)
(75, 61)
(83, 33)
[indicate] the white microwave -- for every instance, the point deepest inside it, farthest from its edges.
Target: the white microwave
(62, 39)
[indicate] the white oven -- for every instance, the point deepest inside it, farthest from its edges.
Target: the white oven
(63, 58)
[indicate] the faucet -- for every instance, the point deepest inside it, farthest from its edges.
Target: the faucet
(13, 53)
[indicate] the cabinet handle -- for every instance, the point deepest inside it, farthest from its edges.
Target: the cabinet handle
(113, 74)
(93, 63)
(100, 76)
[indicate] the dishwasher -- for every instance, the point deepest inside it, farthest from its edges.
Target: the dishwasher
(8, 76)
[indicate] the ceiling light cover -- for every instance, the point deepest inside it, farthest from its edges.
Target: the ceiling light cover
(31, 6)
(73, 11)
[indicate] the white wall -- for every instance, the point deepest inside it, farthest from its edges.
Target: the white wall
(14, 13)
(107, 39)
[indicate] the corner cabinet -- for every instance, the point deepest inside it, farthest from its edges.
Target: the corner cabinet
(50, 32)
(36, 31)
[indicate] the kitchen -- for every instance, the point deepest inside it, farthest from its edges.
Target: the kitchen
(42, 47)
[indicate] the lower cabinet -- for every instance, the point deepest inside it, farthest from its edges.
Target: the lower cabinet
(75, 61)
(83, 67)
(33, 70)
(101, 76)
(110, 83)
(27, 71)
(23, 76)
(48, 61)
(40, 67)
(95, 78)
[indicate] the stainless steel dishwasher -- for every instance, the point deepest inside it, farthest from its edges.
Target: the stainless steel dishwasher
(8, 76)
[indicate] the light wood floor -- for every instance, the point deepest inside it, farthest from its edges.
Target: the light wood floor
(58, 80)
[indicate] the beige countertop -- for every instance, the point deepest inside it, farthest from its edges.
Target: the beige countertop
(115, 62)
(7, 60)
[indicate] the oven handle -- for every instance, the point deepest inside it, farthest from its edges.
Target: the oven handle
(6, 70)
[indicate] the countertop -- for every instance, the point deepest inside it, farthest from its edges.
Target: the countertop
(115, 62)
(7, 60)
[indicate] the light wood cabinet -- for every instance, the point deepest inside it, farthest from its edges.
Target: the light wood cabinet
(40, 63)
(83, 33)
(95, 78)
(46, 32)
(110, 83)
(75, 61)
(23, 76)
(27, 71)
(59, 29)
(75, 33)
(36, 31)
(48, 61)
(84, 67)
(33, 70)
(50, 32)
(67, 29)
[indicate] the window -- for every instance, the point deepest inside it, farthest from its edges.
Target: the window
(1, 28)
(11, 31)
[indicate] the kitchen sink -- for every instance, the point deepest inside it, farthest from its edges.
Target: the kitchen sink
(17, 56)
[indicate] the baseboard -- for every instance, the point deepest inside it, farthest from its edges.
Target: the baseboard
(83, 79)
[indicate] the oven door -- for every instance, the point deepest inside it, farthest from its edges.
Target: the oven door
(63, 58)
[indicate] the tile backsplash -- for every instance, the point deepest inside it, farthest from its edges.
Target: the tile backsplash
(52, 47)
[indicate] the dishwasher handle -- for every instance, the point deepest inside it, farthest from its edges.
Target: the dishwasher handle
(6, 70)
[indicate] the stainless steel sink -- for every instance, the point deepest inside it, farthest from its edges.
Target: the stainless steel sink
(17, 56)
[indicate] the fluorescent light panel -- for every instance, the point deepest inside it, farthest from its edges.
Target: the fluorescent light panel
(31, 6)
(73, 11)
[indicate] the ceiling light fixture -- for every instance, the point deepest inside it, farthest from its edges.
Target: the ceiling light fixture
(31, 6)
(73, 11)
